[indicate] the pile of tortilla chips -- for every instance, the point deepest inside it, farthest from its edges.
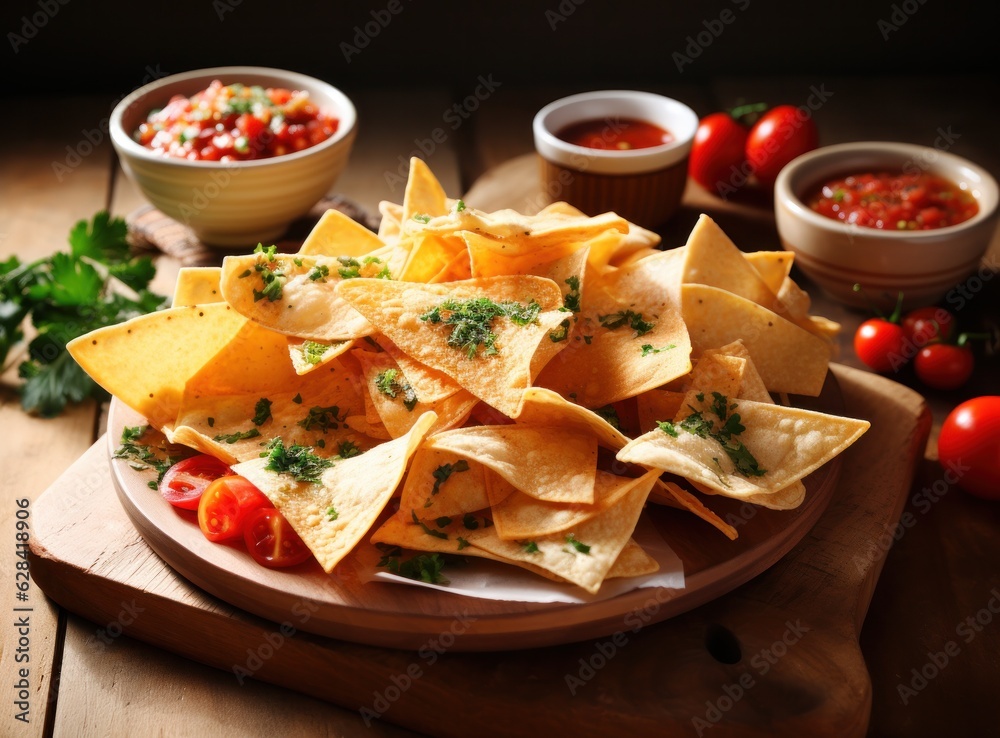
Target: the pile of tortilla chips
(498, 385)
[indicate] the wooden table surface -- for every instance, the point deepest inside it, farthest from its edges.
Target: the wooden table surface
(940, 573)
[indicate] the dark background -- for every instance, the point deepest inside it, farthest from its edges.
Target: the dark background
(111, 46)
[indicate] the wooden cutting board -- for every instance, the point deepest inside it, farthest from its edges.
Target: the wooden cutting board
(778, 656)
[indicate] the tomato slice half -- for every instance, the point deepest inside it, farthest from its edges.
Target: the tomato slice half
(225, 505)
(271, 541)
(184, 482)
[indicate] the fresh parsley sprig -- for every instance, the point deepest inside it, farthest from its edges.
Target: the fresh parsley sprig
(98, 283)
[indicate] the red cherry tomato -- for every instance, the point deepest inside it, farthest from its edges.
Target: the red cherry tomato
(969, 446)
(271, 541)
(880, 344)
(225, 505)
(719, 146)
(183, 483)
(925, 324)
(944, 366)
(781, 134)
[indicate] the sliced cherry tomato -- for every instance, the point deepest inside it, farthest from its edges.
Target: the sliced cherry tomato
(271, 540)
(718, 152)
(781, 134)
(926, 324)
(183, 483)
(944, 366)
(880, 344)
(225, 505)
(969, 446)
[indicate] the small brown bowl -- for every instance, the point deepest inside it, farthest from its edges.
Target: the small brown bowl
(643, 185)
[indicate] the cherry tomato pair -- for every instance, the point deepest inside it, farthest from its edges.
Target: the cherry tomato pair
(231, 508)
(725, 150)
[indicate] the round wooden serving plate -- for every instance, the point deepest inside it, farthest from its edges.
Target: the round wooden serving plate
(397, 616)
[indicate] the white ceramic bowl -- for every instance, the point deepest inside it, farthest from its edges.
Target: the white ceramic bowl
(923, 265)
(643, 185)
(240, 203)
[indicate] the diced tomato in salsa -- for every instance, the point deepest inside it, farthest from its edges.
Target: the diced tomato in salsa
(615, 133)
(236, 123)
(905, 201)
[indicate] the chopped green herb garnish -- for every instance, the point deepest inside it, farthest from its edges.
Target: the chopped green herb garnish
(462, 543)
(298, 398)
(298, 461)
(422, 218)
(347, 450)
(731, 426)
(667, 427)
(313, 352)
(470, 522)
(443, 522)
(588, 339)
(647, 348)
(142, 456)
(332, 514)
(571, 301)
(319, 272)
(237, 436)
(560, 333)
(211, 422)
(323, 418)
(270, 269)
(471, 321)
(443, 472)
(427, 529)
(391, 383)
(261, 411)
(581, 547)
(530, 547)
(459, 206)
(632, 319)
(422, 568)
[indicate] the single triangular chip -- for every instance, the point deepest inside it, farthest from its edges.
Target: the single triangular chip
(308, 355)
(424, 196)
(331, 516)
(121, 358)
(296, 295)
(337, 234)
(521, 455)
(787, 357)
(740, 447)
(544, 407)
(689, 502)
(482, 333)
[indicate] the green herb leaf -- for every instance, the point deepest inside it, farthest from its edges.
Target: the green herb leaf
(471, 321)
(581, 547)
(261, 411)
(298, 461)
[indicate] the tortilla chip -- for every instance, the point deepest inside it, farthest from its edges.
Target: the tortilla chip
(787, 443)
(689, 502)
(633, 561)
(121, 358)
(787, 357)
(655, 405)
(307, 356)
(337, 234)
(545, 407)
(332, 516)
(306, 306)
(552, 464)
(771, 266)
(751, 385)
(395, 308)
(424, 196)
